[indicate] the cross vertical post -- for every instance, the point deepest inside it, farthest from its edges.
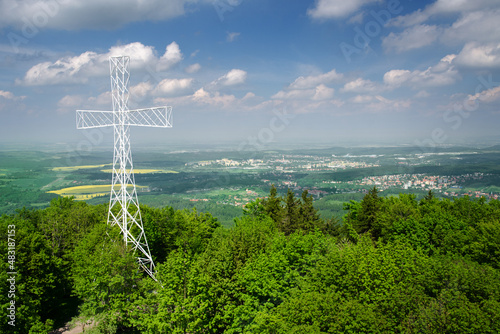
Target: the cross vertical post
(124, 208)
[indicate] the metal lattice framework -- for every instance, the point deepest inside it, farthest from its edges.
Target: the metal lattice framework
(124, 205)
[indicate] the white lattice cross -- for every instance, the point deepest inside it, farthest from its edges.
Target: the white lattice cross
(124, 205)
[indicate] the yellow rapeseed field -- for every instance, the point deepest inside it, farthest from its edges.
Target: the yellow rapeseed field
(88, 192)
(144, 171)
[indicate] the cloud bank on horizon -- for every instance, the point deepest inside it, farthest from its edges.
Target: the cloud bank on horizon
(381, 64)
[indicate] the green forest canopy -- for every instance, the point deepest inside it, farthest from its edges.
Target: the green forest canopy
(391, 265)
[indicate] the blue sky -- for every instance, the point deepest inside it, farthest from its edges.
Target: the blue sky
(253, 73)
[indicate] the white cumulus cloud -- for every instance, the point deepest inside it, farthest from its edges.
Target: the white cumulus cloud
(473, 21)
(362, 99)
(173, 86)
(140, 90)
(412, 38)
(443, 73)
(216, 99)
(323, 92)
(9, 102)
(294, 94)
(233, 77)
(193, 68)
(6, 95)
(479, 55)
(311, 91)
(315, 80)
(319, 93)
(204, 100)
(361, 85)
(78, 69)
(397, 77)
(486, 96)
(478, 26)
(104, 100)
(444, 7)
(334, 9)
(171, 57)
(69, 102)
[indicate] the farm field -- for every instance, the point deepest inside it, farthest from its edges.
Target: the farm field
(144, 171)
(222, 182)
(74, 168)
(89, 192)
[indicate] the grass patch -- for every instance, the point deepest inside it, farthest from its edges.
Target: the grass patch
(73, 168)
(493, 189)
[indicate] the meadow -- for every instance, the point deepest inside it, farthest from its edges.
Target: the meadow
(74, 168)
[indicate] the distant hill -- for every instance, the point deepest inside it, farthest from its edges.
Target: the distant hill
(387, 150)
(495, 148)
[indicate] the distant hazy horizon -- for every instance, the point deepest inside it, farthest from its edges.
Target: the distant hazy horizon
(84, 146)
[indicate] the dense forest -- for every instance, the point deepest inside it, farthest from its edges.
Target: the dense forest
(390, 265)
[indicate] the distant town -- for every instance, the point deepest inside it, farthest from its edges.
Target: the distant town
(442, 185)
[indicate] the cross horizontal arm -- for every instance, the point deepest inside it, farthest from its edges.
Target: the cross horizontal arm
(160, 117)
(88, 119)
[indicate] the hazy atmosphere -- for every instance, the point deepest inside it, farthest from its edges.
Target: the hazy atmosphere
(255, 72)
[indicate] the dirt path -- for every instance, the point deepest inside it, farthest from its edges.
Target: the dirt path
(66, 330)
